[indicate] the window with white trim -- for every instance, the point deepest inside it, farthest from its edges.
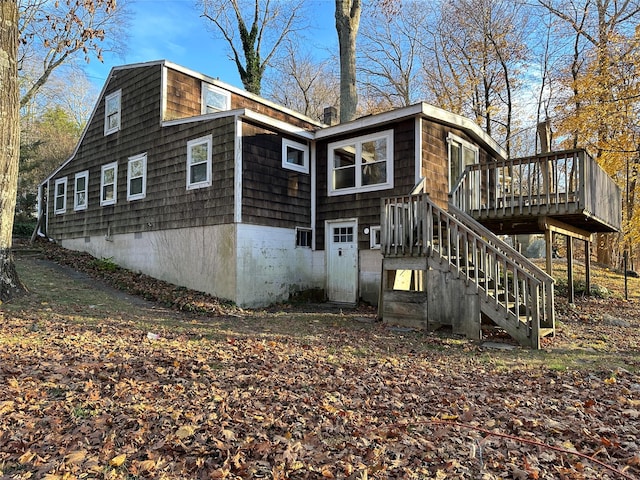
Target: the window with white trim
(374, 237)
(362, 164)
(81, 187)
(199, 162)
(214, 99)
(137, 177)
(461, 154)
(304, 237)
(109, 184)
(112, 109)
(295, 156)
(60, 195)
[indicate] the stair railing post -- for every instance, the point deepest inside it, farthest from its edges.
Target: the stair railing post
(535, 315)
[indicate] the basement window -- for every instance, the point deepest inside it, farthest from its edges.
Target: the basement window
(304, 237)
(374, 238)
(60, 193)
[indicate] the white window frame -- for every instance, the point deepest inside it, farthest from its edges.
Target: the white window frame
(104, 202)
(207, 140)
(136, 158)
(76, 204)
(373, 233)
(307, 230)
(56, 196)
(286, 145)
(452, 138)
(207, 87)
(358, 141)
(108, 130)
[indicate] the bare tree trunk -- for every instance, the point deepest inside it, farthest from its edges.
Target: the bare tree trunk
(10, 285)
(347, 23)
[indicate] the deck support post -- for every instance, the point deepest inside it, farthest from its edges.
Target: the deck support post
(571, 292)
(548, 236)
(587, 266)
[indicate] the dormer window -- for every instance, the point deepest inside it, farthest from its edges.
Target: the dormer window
(112, 108)
(214, 99)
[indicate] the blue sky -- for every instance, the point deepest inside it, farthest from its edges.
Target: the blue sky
(173, 30)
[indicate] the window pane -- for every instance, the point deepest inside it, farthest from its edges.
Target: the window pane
(215, 101)
(81, 183)
(374, 173)
(59, 203)
(198, 173)
(374, 150)
(135, 168)
(455, 162)
(199, 153)
(113, 104)
(135, 186)
(80, 198)
(469, 156)
(295, 156)
(344, 156)
(60, 189)
(344, 178)
(108, 176)
(107, 192)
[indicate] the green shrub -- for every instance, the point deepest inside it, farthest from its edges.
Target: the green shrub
(104, 264)
(24, 229)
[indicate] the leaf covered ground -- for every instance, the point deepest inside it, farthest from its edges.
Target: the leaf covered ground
(100, 384)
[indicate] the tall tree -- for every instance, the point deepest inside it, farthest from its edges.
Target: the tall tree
(347, 24)
(53, 34)
(31, 29)
(389, 60)
(476, 58)
(10, 284)
(250, 28)
(302, 83)
(600, 111)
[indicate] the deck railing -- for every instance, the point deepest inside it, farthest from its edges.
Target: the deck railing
(413, 225)
(561, 182)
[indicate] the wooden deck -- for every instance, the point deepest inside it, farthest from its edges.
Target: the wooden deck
(516, 196)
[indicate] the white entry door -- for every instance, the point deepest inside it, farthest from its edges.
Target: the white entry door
(342, 262)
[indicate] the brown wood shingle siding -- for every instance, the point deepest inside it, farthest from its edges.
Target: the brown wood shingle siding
(365, 206)
(272, 194)
(168, 204)
(184, 98)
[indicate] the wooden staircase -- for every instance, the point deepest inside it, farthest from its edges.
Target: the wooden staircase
(460, 273)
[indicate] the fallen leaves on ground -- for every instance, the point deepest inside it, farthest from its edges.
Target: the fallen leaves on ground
(297, 395)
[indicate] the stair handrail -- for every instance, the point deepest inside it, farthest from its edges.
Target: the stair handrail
(493, 239)
(411, 223)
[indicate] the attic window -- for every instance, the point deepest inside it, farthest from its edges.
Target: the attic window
(295, 156)
(214, 99)
(362, 164)
(60, 200)
(112, 108)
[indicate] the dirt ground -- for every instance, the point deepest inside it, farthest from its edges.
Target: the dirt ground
(97, 383)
